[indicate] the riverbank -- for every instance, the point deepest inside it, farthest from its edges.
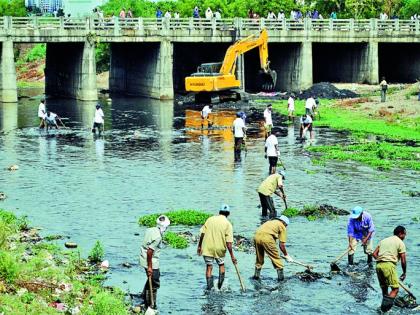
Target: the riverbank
(38, 277)
(380, 138)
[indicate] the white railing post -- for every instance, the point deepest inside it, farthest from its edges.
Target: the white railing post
(331, 25)
(262, 23)
(397, 24)
(191, 23)
(417, 26)
(140, 24)
(213, 25)
(351, 25)
(116, 25)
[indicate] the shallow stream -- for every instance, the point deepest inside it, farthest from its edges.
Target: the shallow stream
(154, 157)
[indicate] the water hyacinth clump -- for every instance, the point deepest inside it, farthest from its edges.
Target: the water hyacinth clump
(175, 240)
(188, 217)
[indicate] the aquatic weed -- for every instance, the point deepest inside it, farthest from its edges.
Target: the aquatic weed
(291, 212)
(97, 253)
(175, 240)
(188, 217)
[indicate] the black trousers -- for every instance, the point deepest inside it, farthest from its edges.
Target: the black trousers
(267, 203)
(155, 285)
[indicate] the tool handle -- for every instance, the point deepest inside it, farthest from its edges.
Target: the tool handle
(298, 263)
(407, 290)
(240, 278)
(151, 292)
(341, 256)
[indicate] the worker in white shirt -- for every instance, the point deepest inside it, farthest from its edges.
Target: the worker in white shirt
(268, 124)
(310, 106)
(41, 113)
(98, 121)
(205, 115)
(239, 132)
(272, 152)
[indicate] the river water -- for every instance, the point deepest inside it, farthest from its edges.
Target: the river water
(154, 157)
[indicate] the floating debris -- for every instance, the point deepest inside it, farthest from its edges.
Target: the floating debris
(311, 276)
(13, 167)
(2, 196)
(411, 193)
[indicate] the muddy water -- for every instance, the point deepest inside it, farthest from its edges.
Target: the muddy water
(154, 157)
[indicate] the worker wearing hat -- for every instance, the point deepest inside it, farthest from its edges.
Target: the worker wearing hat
(360, 227)
(265, 242)
(216, 236)
(273, 184)
(149, 257)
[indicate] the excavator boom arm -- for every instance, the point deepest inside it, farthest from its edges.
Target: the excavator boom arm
(241, 47)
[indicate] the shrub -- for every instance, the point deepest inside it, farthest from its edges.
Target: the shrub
(175, 240)
(9, 267)
(106, 303)
(39, 51)
(178, 217)
(97, 253)
(7, 217)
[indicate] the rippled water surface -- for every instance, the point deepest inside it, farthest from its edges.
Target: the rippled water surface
(154, 157)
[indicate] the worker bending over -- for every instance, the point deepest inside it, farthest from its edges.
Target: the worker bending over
(205, 116)
(149, 258)
(387, 255)
(273, 184)
(216, 236)
(265, 242)
(306, 125)
(360, 227)
(51, 120)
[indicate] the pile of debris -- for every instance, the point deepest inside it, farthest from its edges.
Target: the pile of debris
(326, 90)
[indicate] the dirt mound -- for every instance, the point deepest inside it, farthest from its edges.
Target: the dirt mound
(326, 90)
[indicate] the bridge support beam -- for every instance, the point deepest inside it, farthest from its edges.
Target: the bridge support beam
(8, 87)
(70, 71)
(305, 68)
(142, 69)
(372, 63)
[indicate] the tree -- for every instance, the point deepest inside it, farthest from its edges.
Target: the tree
(359, 9)
(409, 8)
(12, 8)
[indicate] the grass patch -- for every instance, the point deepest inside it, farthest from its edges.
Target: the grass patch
(175, 241)
(380, 155)
(188, 217)
(30, 84)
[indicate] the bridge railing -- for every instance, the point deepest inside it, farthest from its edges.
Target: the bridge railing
(152, 24)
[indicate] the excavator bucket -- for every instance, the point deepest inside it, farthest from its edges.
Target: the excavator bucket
(267, 80)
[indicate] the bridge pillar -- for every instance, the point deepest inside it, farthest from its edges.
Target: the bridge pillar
(305, 68)
(143, 69)
(372, 63)
(8, 87)
(240, 69)
(70, 71)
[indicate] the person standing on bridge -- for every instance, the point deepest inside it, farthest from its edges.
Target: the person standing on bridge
(42, 112)
(216, 236)
(387, 255)
(98, 121)
(384, 87)
(209, 14)
(273, 184)
(265, 243)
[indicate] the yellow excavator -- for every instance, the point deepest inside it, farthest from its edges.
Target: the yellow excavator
(217, 80)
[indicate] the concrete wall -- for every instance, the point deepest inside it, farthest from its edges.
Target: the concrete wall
(70, 71)
(399, 63)
(340, 62)
(142, 69)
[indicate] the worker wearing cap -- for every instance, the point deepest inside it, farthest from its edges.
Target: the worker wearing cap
(149, 257)
(360, 227)
(389, 251)
(216, 236)
(273, 184)
(265, 242)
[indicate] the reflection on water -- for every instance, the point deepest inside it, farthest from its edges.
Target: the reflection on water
(155, 157)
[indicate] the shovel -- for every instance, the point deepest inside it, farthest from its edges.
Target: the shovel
(333, 264)
(150, 310)
(407, 290)
(309, 267)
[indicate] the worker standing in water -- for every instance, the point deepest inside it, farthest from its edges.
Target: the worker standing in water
(149, 258)
(98, 122)
(216, 236)
(272, 152)
(273, 184)
(205, 116)
(268, 120)
(265, 243)
(387, 255)
(239, 132)
(41, 113)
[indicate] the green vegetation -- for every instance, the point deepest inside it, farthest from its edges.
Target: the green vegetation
(239, 8)
(97, 253)
(385, 152)
(411, 193)
(175, 240)
(12, 8)
(35, 275)
(102, 52)
(178, 217)
(313, 212)
(379, 155)
(291, 212)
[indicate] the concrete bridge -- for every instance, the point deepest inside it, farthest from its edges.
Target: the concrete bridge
(151, 57)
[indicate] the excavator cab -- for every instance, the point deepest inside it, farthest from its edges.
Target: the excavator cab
(220, 78)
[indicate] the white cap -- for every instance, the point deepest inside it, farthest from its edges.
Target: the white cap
(284, 219)
(163, 221)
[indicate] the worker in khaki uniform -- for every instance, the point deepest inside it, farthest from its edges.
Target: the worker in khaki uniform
(387, 255)
(216, 236)
(265, 242)
(273, 184)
